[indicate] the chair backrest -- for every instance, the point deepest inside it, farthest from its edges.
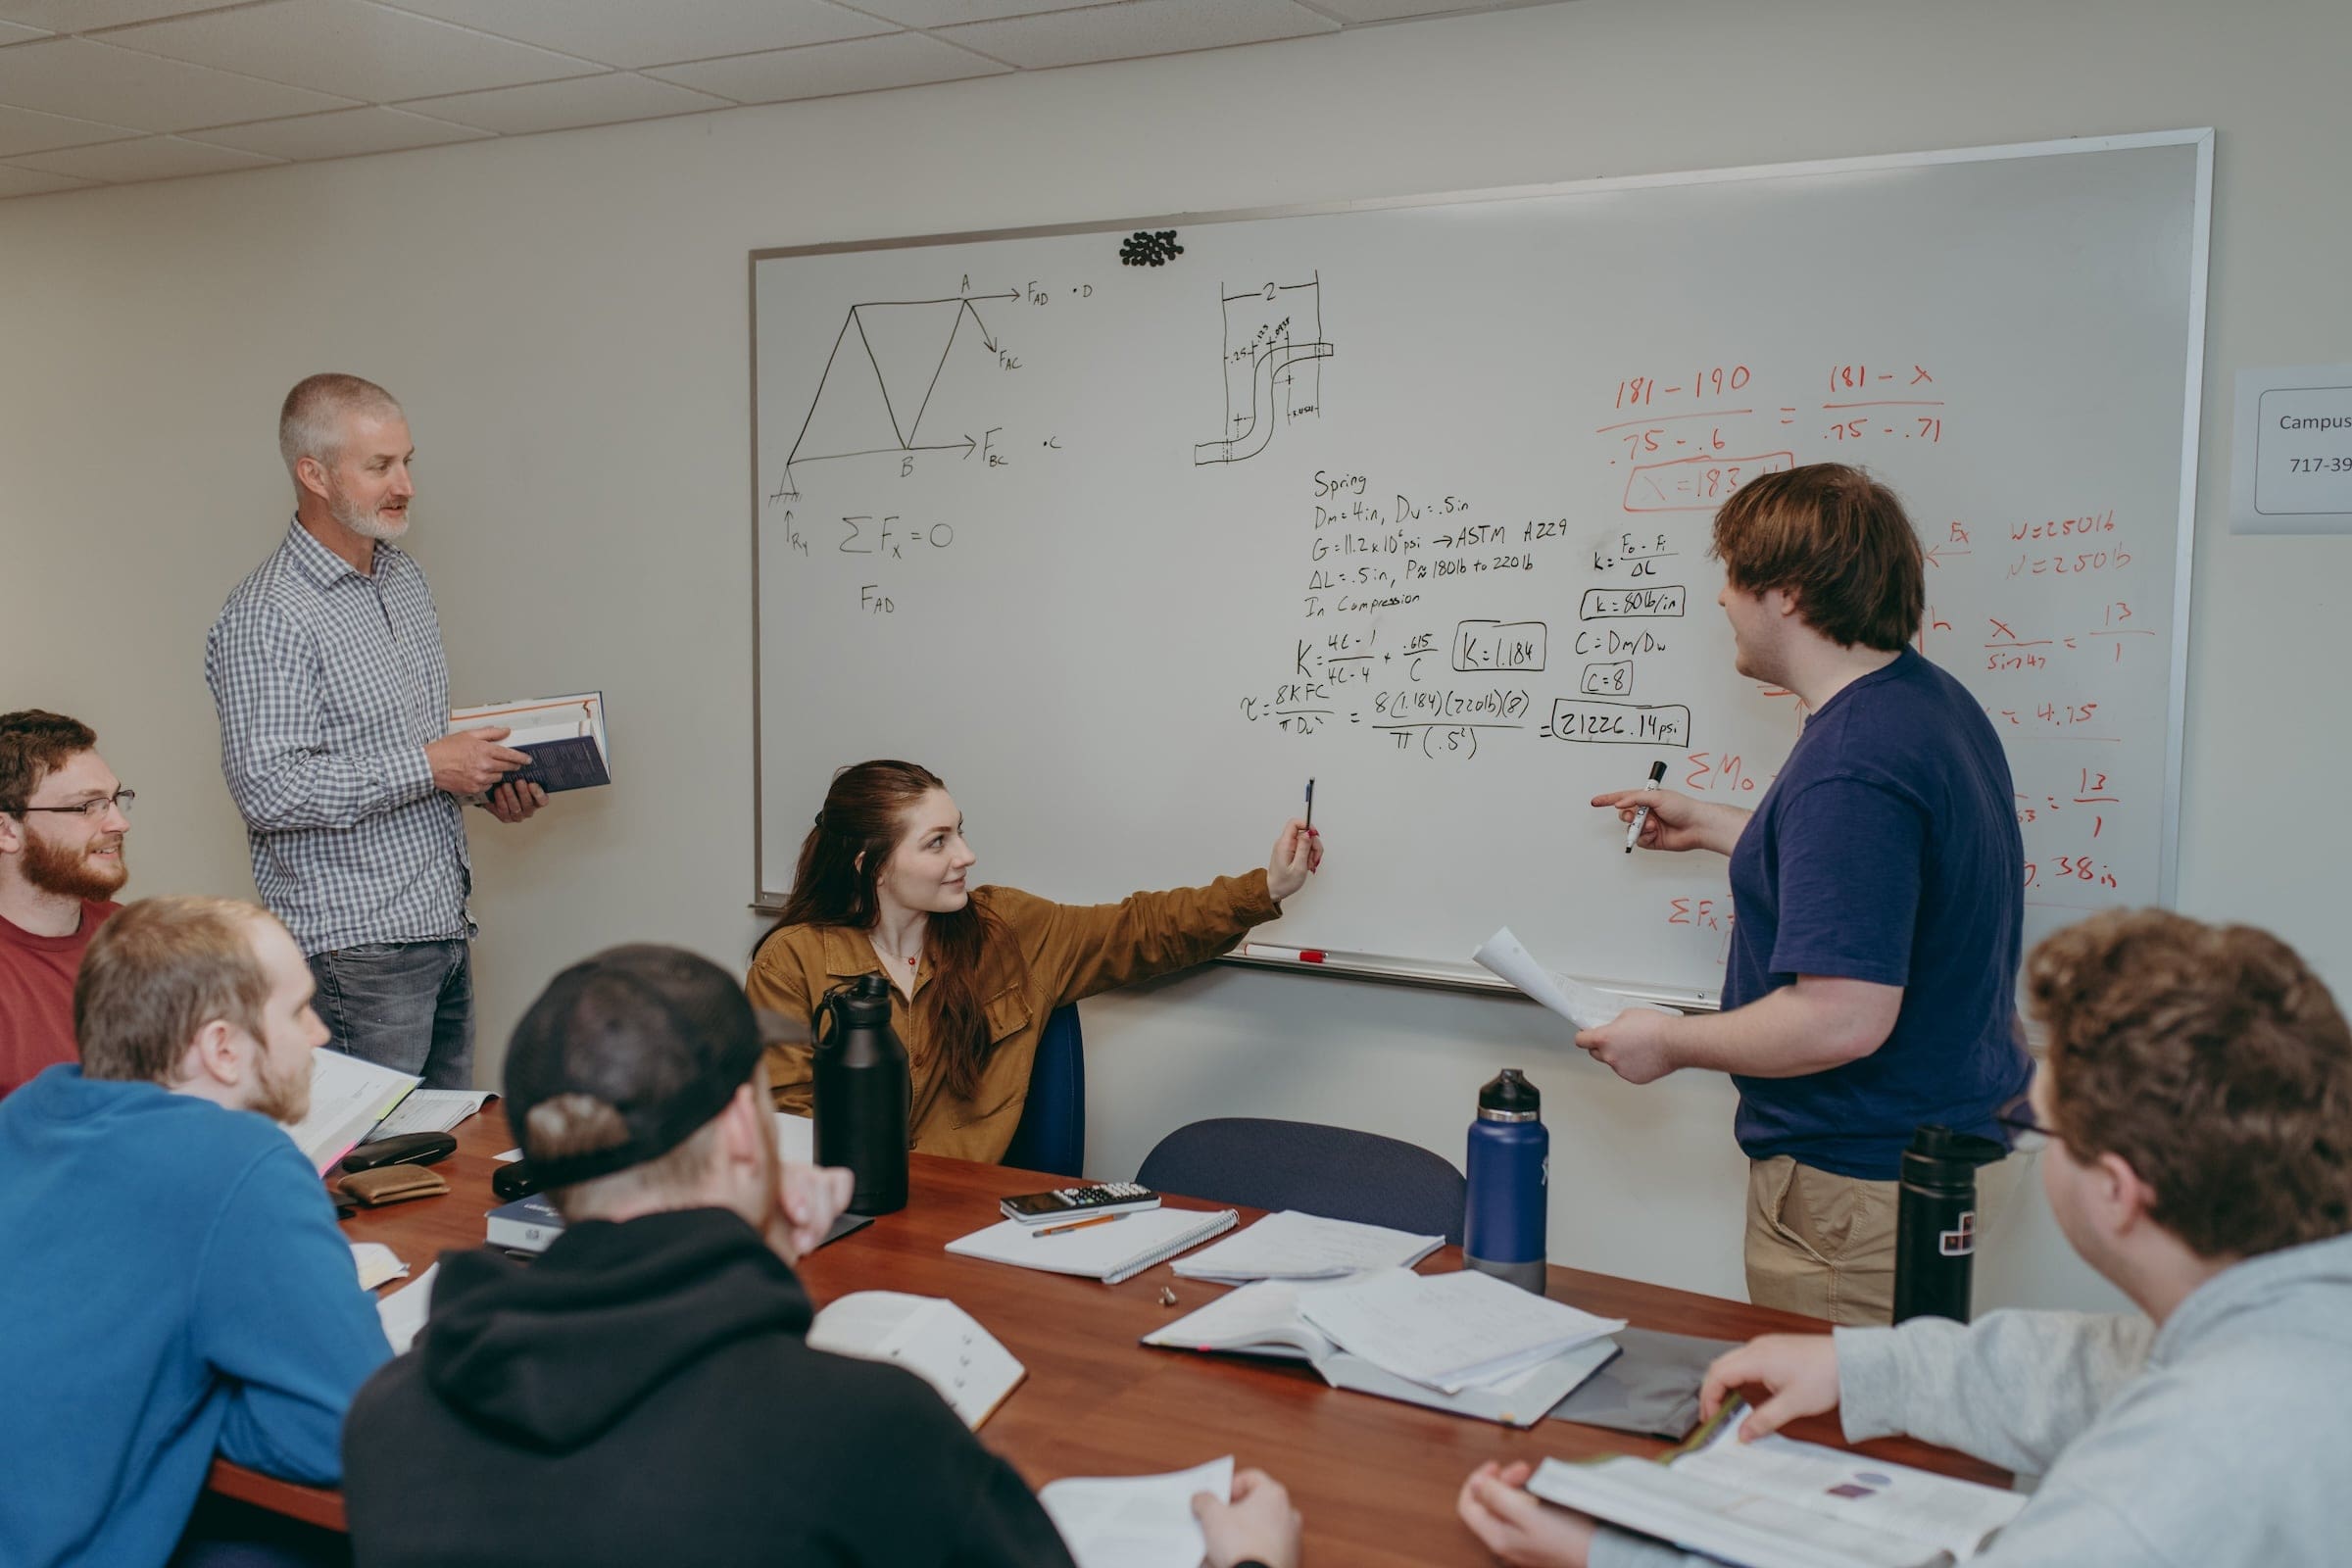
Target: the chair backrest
(1337, 1172)
(1052, 1135)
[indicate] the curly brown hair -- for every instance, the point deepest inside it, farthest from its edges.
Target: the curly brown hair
(1837, 541)
(2214, 1062)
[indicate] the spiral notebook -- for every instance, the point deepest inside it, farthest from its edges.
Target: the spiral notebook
(1111, 1253)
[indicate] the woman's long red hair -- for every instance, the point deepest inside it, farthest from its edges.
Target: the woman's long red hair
(868, 811)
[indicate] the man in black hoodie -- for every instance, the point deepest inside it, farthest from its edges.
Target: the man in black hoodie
(645, 1392)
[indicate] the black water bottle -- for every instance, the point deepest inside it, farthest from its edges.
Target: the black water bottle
(1935, 1222)
(862, 1094)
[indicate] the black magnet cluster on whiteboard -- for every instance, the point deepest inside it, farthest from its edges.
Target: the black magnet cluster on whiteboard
(1144, 248)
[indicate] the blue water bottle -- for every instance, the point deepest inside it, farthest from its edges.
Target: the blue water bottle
(1509, 1165)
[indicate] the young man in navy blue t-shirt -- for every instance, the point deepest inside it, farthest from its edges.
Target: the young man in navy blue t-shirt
(1877, 889)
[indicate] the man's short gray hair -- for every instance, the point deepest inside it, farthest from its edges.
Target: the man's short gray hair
(311, 423)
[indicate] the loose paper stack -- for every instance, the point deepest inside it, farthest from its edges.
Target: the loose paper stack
(1450, 1331)
(1292, 1246)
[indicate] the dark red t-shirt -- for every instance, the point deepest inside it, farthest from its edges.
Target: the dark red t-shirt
(36, 994)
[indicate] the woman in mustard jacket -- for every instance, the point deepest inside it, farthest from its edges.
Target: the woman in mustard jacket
(975, 972)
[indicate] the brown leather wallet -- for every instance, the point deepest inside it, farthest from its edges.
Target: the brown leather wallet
(393, 1184)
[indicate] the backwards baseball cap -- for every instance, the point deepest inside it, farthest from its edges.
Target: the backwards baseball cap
(663, 1036)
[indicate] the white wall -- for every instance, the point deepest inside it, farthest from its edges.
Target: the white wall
(565, 317)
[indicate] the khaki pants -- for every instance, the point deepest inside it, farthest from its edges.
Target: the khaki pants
(1823, 1245)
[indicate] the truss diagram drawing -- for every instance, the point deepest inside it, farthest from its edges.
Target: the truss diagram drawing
(1274, 349)
(904, 376)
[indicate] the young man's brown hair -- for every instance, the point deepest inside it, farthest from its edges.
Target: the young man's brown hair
(158, 972)
(1837, 541)
(2214, 1062)
(33, 745)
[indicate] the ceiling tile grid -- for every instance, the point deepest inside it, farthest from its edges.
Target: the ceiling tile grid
(101, 92)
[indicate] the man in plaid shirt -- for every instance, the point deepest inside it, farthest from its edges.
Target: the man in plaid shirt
(333, 693)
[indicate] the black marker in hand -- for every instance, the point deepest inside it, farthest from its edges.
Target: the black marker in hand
(1633, 833)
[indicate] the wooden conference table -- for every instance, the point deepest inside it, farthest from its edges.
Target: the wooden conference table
(1375, 1479)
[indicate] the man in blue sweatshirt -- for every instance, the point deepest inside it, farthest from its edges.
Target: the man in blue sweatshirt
(2198, 1106)
(175, 1286)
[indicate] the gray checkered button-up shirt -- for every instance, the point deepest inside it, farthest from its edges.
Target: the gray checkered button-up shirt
(329, 684)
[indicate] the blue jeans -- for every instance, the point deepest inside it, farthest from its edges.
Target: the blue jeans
(408, 1005)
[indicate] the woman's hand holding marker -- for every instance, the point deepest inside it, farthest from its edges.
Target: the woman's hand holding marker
(1297, 854)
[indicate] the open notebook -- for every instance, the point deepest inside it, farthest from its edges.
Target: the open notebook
(1118, 1251)
(1272, 1317)
(1779, 1504)
(934, 1339)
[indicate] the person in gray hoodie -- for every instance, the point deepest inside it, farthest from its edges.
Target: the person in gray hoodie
(2197, 1102)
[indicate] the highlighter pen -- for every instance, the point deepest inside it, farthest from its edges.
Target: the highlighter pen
(1078, 1224)
(1633, 832)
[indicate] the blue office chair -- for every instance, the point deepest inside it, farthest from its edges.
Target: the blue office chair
(1052, 1136)
(1337, 1172)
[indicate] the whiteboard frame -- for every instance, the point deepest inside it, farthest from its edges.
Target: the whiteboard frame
(767, 901)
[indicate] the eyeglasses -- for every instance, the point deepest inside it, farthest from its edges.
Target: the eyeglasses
(2026, 1130)
(93, 810)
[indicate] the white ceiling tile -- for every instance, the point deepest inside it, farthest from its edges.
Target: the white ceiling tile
(148, 158)
(344, 133)
(638, 32)
(861, 65)
(85, 16)
(23, 131)
(92, 80)
(948, 13)
(568, 105)
(29, 182)
(349, 47)
(1137, 28)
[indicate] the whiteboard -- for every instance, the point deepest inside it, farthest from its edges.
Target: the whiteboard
(1127, 529)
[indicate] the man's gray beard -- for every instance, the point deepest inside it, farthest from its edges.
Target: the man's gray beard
(68, 873)
(365, 524)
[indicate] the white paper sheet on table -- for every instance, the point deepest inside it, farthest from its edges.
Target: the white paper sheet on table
(1291, 1245)
(376, 1263)
(404, 1311)
(1585, 1007)
(1135, 1521)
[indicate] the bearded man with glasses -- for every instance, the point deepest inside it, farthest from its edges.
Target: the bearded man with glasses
(63, 818)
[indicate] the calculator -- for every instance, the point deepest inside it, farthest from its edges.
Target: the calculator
(1079, 1203)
